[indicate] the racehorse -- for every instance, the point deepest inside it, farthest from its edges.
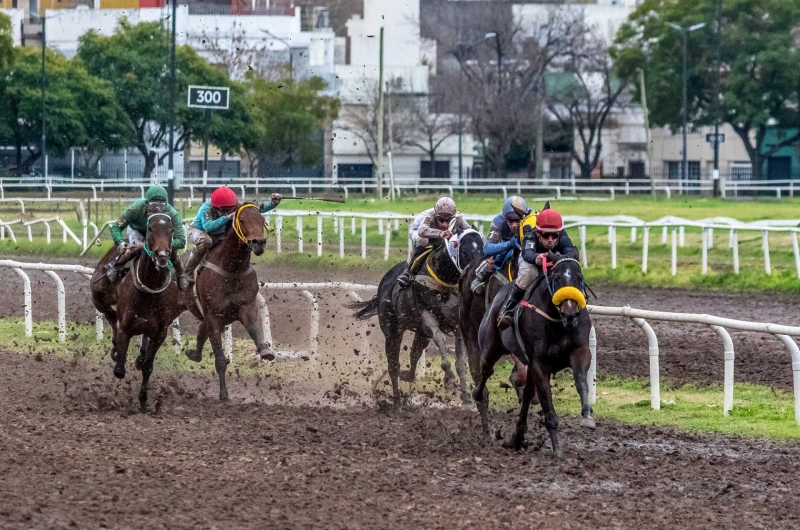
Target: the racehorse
(428, 307)
(225, 291)
(550, 333)
(472, 307)
(146, 299)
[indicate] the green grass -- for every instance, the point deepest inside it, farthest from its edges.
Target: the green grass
(758, 410)
(598, 252)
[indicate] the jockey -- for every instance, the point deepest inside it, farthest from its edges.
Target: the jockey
(502, 242)
(430, 228)
(547, 238)
(213, 220)
(134, 218)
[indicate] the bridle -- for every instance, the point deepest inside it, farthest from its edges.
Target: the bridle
(568, 292)
(147, 232)
(137, 281)
(237, 223)
(457, 258)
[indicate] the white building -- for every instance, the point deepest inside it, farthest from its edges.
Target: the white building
(405, 58)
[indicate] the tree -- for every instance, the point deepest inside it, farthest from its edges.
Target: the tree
(81, 110)
(134, 61)
(283, 119)
(6, 42)
(428, 130)
(501, 75)
(584, 95)
(758, 63)
(237, 55)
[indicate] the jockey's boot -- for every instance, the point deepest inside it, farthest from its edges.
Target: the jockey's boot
(180, 274)
(113, 273)
(116, 267)
(482, 275)
(411, 269)
(195, 258)
(507, 316)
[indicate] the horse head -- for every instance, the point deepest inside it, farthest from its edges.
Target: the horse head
(565, 283)
(249, 227)
(465, 245)
(158, 242)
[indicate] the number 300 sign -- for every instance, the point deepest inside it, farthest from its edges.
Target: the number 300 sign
(208, 97)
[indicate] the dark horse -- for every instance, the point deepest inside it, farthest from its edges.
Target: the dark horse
(145, 302)
(428, 307)
(226, 289)
(551, 332)
(472, 307)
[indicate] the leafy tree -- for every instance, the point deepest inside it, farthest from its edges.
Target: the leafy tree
(80, 109)
(6, 42)
(283, 118)
(135, 60)
(759, 58)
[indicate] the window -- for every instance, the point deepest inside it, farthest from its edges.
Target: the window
(636, 170)
(440, 170)
(674, 171)
(693, 169)
(741, 171)
(354, 171)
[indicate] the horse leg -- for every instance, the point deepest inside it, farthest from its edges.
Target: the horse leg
(522, 423)
(196, 355)
(214, 331)
(417, 347)
(394, 338)
(121, 342)
(432, 328)
(142, 352)
(248, 316)
(111, 316)
(461, 369)
(579, 361)
(542, 379)
(146, 366)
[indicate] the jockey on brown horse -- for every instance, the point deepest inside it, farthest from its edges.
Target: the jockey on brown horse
(134, 218)
(225, 284)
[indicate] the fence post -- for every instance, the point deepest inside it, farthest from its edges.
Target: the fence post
(278, 231)
(62, 311)
(353, 225)
(674, 251)
(388, 240)
(319, 234)
(582, 234)
(633, 234)
(613, 234)
(793, 349)
(682, 236)
(710, 237)
(736, 252)
(611, 192)
(796, 251)
(363, 238)
(26, 290)
(704, 265)
(627, 187)
(727, 400)
(341, 240)
(652, 342)
(300, 234)
(380, 227)
(645, 244)
(765, 247)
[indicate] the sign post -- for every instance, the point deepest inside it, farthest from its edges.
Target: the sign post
(209, 98)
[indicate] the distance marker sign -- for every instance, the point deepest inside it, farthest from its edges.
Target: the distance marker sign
(209, 97)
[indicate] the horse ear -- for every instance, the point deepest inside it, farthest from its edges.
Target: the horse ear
(546, 206)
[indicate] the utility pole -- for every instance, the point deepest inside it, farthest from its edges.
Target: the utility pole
(647, 134)
(718, 43)
(44, 113)
(172, 89)
(379, 169)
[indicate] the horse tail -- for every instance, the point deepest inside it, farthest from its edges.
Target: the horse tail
(365, 310)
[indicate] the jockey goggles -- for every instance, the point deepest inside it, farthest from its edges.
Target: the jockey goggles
(157, 205)
(548, 235)
(512, 217)
(444, 218)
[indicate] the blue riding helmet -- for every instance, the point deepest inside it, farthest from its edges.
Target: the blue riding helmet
(515, 208)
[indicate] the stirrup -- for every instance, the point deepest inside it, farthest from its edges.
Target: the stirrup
(404, 279)
(112, 274)
(506, 319)
(183, 283)
(478, 286)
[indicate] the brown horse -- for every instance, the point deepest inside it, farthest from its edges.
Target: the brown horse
(145, 302)
(225, 291)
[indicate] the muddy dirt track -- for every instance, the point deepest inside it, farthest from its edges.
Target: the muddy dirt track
(76, 455)
(687, 352)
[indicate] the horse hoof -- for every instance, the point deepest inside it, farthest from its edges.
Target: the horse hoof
(143, 407)
(479, 396)
(558, 453)
(224, 397)
(407, 376)
(588, 422)
(266, 355)
(450, 383)
(193, 355)
(119, 371)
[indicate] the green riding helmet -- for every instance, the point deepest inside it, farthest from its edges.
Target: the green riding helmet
(156, 198)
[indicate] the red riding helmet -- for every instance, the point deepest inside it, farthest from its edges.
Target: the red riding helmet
(549, 221)
(223, 197)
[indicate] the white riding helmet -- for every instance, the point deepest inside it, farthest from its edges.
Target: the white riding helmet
(445, 208)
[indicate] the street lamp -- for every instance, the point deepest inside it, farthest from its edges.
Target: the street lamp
(288, 47)
(461, 49)
(684, 111)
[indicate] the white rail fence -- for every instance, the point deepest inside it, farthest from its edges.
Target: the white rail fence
(640, 317)
(609, 187)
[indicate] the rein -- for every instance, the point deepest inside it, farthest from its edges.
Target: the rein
(435, 277)
(146, 248)
(237, 224)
